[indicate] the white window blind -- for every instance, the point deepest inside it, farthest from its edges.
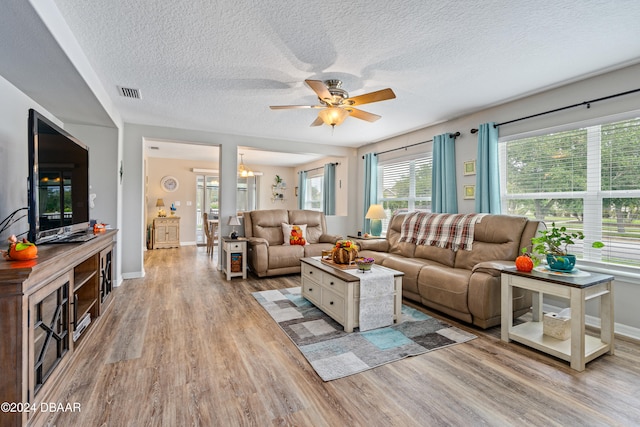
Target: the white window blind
(586, 179)
(313, 192)
(404, 184)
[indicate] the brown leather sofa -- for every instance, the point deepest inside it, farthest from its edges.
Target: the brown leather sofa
(463, 284)
(267, 253)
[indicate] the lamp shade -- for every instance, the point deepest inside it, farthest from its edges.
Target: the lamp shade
(160, 203)
(376, 212)
(333, 116)
(233, 220)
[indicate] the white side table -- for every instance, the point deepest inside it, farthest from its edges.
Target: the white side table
(579, 348)
(234, 257)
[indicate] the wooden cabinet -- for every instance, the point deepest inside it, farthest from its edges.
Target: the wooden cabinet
(48, 306)
(166, 232)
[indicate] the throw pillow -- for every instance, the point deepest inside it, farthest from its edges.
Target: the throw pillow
(294, 234)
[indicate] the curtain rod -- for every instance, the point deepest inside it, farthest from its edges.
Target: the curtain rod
(587, 103)
(455, 135)
(320, 167)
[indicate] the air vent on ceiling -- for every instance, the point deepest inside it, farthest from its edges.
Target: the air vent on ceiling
(128, 92)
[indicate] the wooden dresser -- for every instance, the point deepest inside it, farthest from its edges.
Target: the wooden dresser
(48, 306)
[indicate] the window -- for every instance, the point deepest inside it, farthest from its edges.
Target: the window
(313, 192)
(586, 179)
(404, 184)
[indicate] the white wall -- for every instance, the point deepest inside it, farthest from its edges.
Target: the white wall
(627, 292)
(133, 203)
(103, 169)
(181, 169)
(103, 151)
(14, 156)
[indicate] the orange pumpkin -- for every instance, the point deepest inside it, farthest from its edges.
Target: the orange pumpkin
(524, 263)
(23, 251)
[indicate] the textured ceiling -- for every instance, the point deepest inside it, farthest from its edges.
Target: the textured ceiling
(217, 66)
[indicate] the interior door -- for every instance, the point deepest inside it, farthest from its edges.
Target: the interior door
(207, 199)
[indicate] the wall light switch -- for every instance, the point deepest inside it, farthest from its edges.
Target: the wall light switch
(188, 202)
(177, 203)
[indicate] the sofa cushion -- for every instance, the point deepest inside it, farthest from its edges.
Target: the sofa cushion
(268, 225)
(393, 235)
(317, 248)
(285, 256)
(409, 266)
(445, 286)
(496, 237)
(315, 220)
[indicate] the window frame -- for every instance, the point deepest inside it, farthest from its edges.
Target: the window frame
(412, 198)
(592, 197)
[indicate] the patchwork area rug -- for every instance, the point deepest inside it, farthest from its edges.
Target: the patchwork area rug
(334, 353)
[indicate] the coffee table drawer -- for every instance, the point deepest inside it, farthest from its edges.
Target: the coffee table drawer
(311, 272)
(333, 304)
(312, 291)
(334, 284)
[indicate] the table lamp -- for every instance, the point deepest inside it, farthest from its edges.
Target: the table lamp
(233, 221)
(160, 206)
(376, 215)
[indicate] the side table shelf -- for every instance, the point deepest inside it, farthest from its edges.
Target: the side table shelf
(234, 257)
(579, 348)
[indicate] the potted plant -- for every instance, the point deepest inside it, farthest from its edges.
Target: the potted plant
(554, 243)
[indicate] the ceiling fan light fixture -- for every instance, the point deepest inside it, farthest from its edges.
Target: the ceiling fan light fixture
(333, 116)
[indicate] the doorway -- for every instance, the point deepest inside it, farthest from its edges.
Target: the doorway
(207, 199)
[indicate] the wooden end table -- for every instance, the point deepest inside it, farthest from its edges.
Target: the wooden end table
(579, 348)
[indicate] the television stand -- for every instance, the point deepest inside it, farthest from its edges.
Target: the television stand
(48, 308)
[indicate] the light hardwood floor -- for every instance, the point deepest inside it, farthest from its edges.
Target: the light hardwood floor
(184, 347)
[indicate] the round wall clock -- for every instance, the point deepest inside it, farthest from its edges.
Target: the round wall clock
(169, 183)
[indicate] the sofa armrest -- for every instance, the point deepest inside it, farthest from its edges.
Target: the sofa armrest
(378, 245)
(493, 268)
(329, 238)
(254, 241)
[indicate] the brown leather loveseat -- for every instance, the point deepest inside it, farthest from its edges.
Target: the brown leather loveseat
(464, 284)
(268, 255)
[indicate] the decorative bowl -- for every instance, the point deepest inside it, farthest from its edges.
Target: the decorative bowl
(364, 264)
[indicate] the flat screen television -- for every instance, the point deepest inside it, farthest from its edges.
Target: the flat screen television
(58, 182)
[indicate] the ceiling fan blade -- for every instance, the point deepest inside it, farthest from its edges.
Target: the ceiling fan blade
(317, 122)
(363, 115)
(379, 95)
(320, 89)
(289, 107)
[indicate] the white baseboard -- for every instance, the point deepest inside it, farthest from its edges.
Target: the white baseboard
(594, 322)
(133, 275)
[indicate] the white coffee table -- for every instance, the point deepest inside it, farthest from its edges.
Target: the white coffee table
(337, 293)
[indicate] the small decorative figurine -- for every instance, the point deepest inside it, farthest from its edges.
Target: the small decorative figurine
(20, 251)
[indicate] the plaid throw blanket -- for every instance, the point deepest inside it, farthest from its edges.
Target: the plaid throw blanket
(453, 231)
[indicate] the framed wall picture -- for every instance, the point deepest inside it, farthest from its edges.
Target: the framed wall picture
(470, 167)
(469, 191)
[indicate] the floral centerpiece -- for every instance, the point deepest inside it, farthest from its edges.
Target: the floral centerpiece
(344, 252)
(364, 264)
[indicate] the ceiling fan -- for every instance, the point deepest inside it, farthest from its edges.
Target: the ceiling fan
(335, 104)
